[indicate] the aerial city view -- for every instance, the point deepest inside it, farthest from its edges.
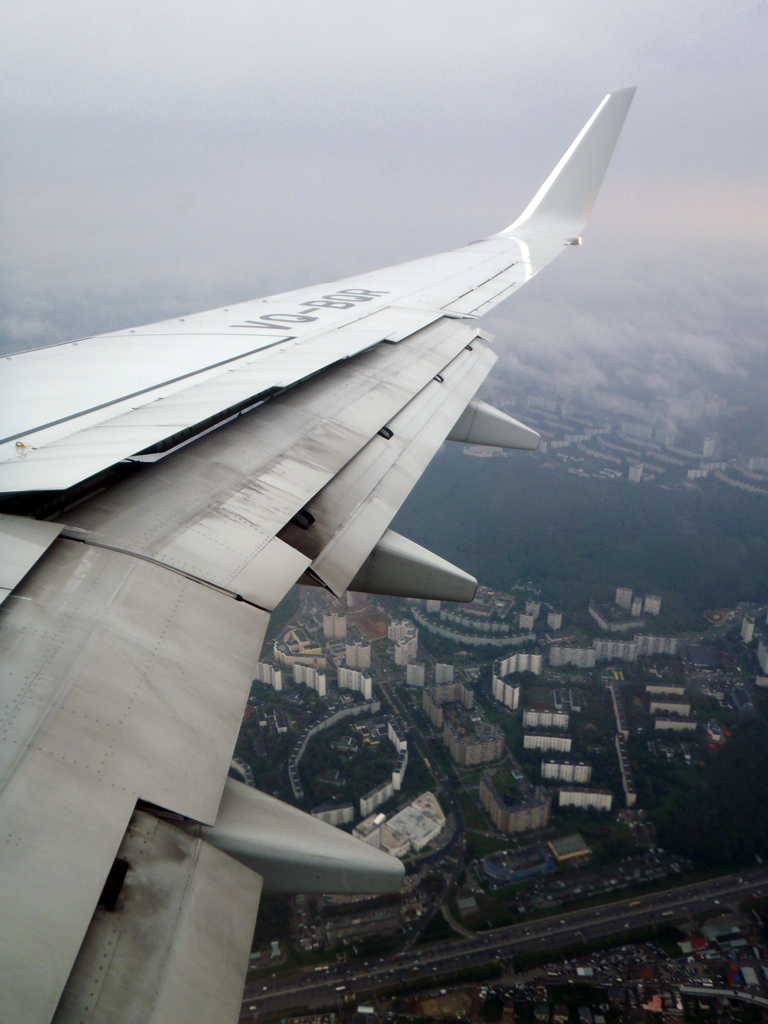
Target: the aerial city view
(563, 771)
(384, 512)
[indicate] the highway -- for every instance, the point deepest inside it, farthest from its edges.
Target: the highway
(323, 988)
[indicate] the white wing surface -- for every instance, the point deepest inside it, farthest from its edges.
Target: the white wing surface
(161, 489)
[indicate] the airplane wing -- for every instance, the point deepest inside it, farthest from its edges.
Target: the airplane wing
(161, 489)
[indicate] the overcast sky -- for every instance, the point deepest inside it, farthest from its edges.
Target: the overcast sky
(161, 158)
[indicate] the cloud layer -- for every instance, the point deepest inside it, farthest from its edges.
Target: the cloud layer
(167, 157)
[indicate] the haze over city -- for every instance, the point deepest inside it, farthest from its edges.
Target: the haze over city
(533, 773)
(161, 161)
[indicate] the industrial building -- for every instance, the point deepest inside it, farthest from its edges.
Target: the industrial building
(408, 831)
(568, 848)
(420, 822)
(369, 829)
(500, 869)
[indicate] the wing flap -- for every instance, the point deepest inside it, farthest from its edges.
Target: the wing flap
(22, 543)
(252, 476)
(353, 511)
(175, 947)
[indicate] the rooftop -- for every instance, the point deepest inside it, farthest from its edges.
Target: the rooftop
(569, 847)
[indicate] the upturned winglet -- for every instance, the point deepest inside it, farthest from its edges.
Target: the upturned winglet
(562, 206)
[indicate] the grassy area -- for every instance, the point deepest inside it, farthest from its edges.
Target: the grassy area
(473, 819)
(480, 846)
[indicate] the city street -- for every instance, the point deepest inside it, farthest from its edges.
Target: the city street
(326, 987)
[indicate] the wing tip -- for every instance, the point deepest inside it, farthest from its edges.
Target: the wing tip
(561, 207)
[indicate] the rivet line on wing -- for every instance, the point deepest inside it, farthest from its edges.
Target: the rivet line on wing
(67, 534)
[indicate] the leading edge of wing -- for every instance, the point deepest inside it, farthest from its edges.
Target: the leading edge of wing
(77, 409)
(561, 207)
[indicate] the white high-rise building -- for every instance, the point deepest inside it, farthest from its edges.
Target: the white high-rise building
(349, 679)
(398, 742)
(601, 799)
(522, 662)
(526, 621)
(637, 607)
(505, 693)
(358, 655)
(399, 629)
(533, 608)
(581, 657)
(624, 597)
(542, 741)
(762, 657)
(566, 771)
(547, 719)
(652, 604)
(398, 772)
(269, 675)
(310, 677)
(708, 448)
(334, 626)
(635, 472)
(414, 674)
(443, 673)
(655, 644)
(747, 629)
(607, 650)
(433, 607)
(407, 650)
(554, 620)
(527, 662)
